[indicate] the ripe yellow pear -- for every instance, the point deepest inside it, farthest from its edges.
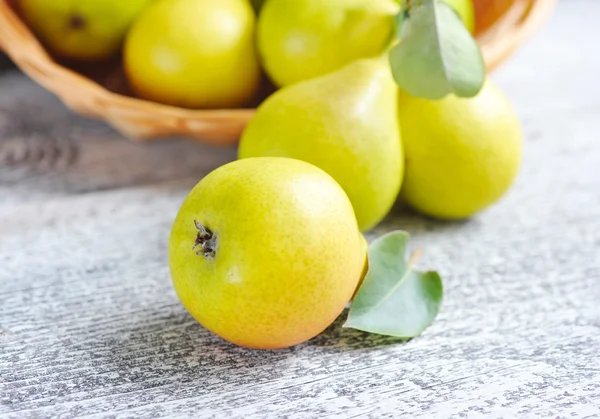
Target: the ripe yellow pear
(461, 154)
(81, 30)
(303, 39)
(346, 124)
(194, 53)
(266, 252)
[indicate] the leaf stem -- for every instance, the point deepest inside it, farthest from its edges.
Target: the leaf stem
(414, 257)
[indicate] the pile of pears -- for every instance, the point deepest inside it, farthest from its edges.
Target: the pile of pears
(267, 251)
(208, 53)
(337, 108)
(448, 158)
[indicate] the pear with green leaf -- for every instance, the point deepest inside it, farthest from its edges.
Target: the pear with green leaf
(303, 39)
(436, 55)
(346, 124)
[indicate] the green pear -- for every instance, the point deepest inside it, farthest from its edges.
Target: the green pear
(87, 30)
(303, 39)
(463, 153)
(346, 124)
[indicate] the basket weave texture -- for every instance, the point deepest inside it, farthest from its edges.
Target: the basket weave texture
(501, 26)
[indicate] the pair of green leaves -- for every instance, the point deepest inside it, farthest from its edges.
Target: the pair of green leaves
(435, 55)
(395, 299)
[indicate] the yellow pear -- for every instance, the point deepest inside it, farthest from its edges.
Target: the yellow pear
(462, 154)
(303, 39)
(194, 53)
(87, 30)
(266, 252)
(465, 10)
(346, 124)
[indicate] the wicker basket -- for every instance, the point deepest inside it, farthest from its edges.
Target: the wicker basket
(502, 25)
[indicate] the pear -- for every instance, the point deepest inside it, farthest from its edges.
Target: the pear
(303, 39)
(266, 252)
(88, 30)
(463, 153)
(194, 53)
(344, 123)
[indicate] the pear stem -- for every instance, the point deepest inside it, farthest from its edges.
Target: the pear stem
(206, 240)
(415, 256)
(76, 22)
(410, 4)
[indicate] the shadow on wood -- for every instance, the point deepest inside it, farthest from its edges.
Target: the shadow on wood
(340, 339)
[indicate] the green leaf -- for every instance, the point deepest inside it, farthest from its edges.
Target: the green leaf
(394, 299)
(436, 54)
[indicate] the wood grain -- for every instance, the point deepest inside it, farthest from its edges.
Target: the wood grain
(90, 325)
(47, 151)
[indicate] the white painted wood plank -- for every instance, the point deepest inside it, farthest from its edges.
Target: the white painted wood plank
(92, 324)
(46, 151)
(557, 69)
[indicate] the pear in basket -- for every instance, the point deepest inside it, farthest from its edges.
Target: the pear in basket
(81, 30)
(194, 53)
(303, 39)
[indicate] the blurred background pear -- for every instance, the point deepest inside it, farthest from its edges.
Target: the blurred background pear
(87, 30)
(302, 39)
(194, 53)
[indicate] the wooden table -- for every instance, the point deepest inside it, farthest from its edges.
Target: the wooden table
(90, 324)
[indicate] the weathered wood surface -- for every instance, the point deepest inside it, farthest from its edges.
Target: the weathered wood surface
(90, 325)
